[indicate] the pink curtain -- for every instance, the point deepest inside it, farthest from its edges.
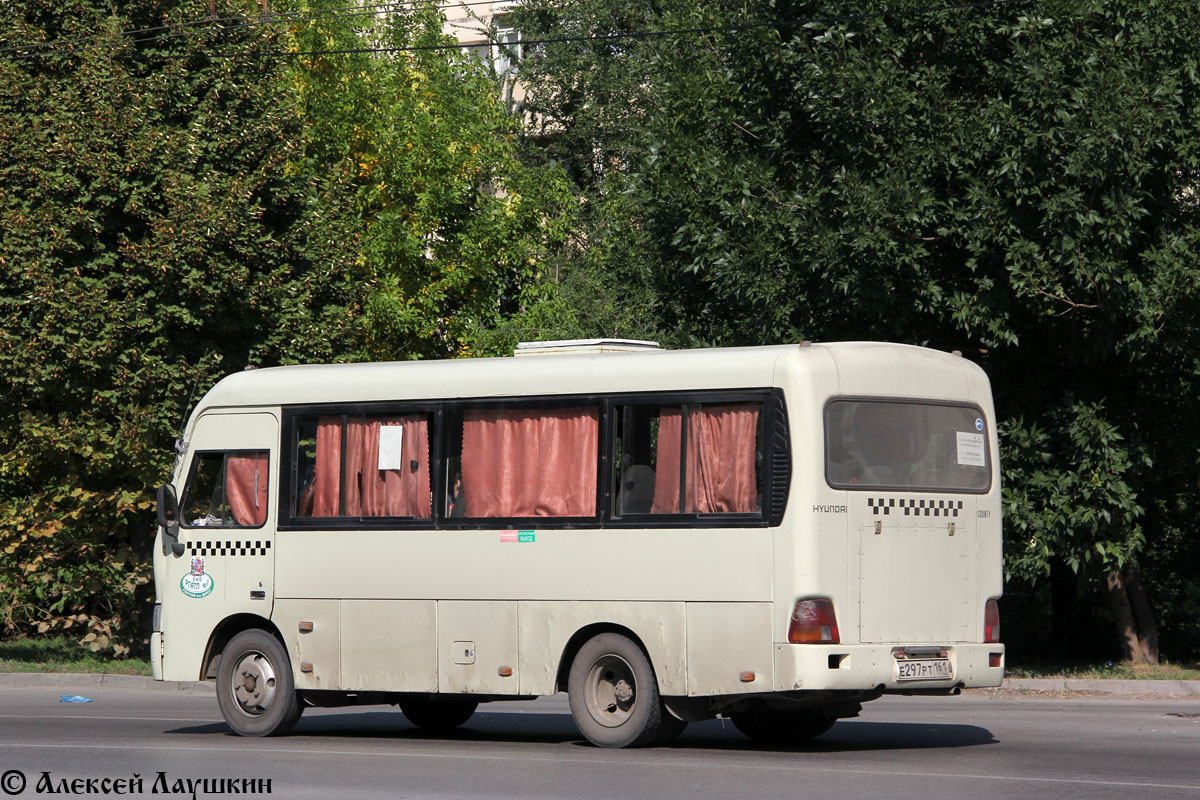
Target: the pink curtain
(530, 463)
(370, 491)
(326, 483)
(246, 489)
(721, 475)
(374, 492)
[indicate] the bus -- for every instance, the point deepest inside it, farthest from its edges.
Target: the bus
(773, 535)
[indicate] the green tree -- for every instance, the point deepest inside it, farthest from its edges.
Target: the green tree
(1017, 181)
(455, 227)
(152, 241)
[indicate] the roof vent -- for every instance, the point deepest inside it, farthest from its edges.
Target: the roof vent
(576, 347)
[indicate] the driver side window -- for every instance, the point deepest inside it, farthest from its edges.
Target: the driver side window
(226, 490)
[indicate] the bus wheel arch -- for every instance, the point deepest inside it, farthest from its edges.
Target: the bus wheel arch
(579, 639)
(224, 632)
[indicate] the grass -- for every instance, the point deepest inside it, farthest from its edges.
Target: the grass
(1122, 670)
(63, 654)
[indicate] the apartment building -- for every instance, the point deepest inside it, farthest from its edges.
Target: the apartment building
(484, 29)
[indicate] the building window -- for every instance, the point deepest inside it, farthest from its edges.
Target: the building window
(503, 50)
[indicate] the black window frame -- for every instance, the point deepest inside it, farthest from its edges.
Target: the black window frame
(533, 402)
(919, 401)
(191, 474)
(775, 466)
(289, 481)
(688, 401)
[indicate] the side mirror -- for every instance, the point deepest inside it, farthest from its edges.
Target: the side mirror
(168, 518)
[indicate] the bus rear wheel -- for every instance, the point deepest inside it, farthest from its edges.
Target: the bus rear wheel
(614, 695)
(782, 727)
(436, 714)
(255, 688)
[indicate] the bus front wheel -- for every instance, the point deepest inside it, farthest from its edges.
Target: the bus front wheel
(614, 695)
(255, 688)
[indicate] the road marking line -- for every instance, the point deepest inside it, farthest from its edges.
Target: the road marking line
(625, 764)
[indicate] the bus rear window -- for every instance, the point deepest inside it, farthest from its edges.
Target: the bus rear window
(906, 445)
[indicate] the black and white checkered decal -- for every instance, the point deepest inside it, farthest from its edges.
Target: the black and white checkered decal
(913, 507)
(219, 548)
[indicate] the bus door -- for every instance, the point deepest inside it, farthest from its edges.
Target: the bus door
(226, 526)
(917, 571)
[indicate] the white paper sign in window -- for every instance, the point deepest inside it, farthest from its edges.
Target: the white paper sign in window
(971, 450)
(391, 447)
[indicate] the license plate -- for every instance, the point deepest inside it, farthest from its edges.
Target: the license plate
(924, 670)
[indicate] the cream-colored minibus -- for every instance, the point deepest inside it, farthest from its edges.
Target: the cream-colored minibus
(771, 534)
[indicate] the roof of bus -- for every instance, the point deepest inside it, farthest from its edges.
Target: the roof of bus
(654, 370)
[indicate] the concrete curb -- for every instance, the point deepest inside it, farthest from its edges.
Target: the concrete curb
(1123, 688)
(79, 679)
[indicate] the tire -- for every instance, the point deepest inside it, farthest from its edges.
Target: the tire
(438, 715)
(614, 695)
(782, 727)
(255, 687)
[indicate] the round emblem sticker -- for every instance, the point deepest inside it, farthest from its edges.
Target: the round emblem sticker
(197, 583)
(978, 424)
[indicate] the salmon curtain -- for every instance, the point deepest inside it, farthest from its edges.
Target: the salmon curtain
(246, 489)
(530, 462)
(402, 490)
(721, 453)
(326, 484)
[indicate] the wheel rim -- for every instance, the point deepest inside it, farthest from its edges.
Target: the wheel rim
(253, 684)
(611, 691)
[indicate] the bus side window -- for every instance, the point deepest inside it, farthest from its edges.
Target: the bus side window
(528, 462)
(363, 466)
(691, 459)
(227, 490)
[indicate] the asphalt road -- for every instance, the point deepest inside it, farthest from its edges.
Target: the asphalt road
(975, 746)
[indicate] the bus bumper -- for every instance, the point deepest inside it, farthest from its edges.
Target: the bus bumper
(156, 656)
(875, 666)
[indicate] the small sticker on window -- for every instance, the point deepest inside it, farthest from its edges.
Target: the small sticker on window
(391, 447)
(971, 452)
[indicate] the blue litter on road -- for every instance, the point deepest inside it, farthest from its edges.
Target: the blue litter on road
(75, 698)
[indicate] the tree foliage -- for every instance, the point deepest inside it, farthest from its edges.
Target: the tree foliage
(1017, 181)
(152, 242)
(455, 228)
(174, 209)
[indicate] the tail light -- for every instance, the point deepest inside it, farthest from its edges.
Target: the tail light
(991, 622)
(813, 622)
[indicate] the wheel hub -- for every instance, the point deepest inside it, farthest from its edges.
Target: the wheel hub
(254, 684)
(611, 691)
